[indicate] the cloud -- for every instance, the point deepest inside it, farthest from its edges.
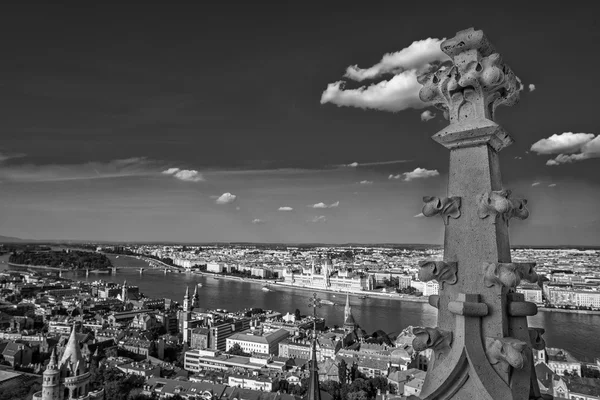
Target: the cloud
(320, 218)
(567, 142)
(427, 115)
(128, 167)
(258, 221)
(323, 205)
(285, 208)
(535, 184)
(365, 182)
(531, 87)
(374, 163)
(420, 53)
(420, 173)
(392, 176)
(518, 158)
(419, 215)
(569, 146)
(398, 93)
(552, 185)
(188, 175)
(226, 198)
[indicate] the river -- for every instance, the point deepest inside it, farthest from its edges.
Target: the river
(573, 332)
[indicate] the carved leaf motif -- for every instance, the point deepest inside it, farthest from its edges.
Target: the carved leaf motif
(507, 351)
(508, 275)
(517, 210)
(478, 81)
(442, 272)
(493, 204)
(431, 338)
(446, 207)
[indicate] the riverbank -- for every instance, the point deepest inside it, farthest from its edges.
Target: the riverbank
(568, 311)
(44, 267)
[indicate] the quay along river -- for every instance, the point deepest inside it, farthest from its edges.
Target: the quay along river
(576, 333)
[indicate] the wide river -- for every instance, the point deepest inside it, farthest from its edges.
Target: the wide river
(574, 332)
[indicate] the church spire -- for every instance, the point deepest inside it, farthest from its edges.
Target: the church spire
(314, 391)
(53, 363)
(349, 322)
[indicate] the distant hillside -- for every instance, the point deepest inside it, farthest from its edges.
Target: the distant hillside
(8, 239)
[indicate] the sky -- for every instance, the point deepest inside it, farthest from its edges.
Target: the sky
(290, 122)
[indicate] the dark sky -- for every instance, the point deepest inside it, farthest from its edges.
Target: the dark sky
(97, 100)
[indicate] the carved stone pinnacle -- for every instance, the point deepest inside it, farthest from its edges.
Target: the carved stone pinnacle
(469, 91)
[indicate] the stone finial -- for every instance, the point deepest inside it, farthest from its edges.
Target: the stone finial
(476, 83)
(508, 275)
(507, 351)
(446, 207)
(431, 338)
(441, 271)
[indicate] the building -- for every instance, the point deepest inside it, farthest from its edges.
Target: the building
(253, 382)
(17, 354)
(68, 378)
(198, 360)
(219, 332)
(561, 361)
(349, 322)
(252, 342)
(199, 338)
(532, 292)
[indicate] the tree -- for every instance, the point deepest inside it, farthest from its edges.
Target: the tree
(354, 373)
(236, 350)
(343, 372)
(297, 315)
(360, 395)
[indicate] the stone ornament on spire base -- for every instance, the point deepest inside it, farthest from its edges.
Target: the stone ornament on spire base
(482, 344)
(470, 90)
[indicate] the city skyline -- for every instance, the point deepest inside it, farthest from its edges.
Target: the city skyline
(175, 125)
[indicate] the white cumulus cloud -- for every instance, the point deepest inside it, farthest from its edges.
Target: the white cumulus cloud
(188, 175)
(392, 176)
(420, 173)
(398, 93)
(569, 147)
(427, 115)
(552, 185)
(535, 183)
(258, 221)
(419, 215)
(417, 55)
(226, 198)
(567, 142)
(354, 164)
(323, 205)
(365, 182)
(531, 87)
(285, 208)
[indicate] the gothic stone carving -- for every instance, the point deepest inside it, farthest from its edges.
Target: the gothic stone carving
(431, 338)
(476, 83)
(442, 272)
(497, 204)
(507, 351)
(446, 207)
(508, 275)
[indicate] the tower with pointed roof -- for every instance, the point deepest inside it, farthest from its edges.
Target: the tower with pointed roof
(349, 322)
(186, 316)
(124, 292)
(51, 379)
(196, 298)
(68, 378)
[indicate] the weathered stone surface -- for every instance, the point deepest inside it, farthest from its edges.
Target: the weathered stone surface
(445, 207)
(489, 356)
(431, 338)
(507, 351)
(508, 275)
(441, 271)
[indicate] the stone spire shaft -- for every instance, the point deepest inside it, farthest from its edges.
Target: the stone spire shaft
(481, 342)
